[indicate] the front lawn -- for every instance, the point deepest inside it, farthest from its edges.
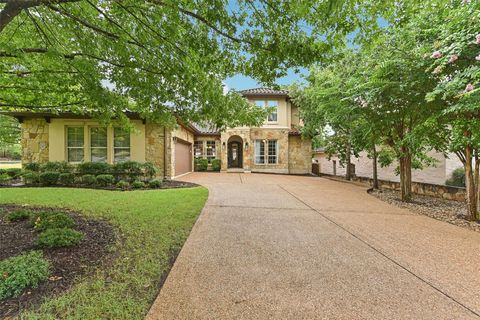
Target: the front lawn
(154, 224)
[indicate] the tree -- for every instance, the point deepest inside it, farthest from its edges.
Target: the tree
(9, 132)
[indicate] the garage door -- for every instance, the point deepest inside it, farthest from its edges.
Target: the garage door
(183, 157)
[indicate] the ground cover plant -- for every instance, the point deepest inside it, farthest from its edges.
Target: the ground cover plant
(153, 225)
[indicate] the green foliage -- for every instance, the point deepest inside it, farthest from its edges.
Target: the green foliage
(14, 172)
(5, 177)
(49, 178)
(67, 178)
(105, 180)
(149, 170)
(9, 131)
(137, 184)
(57, 166)
(32, 166)
(201, 164)
(89, 179)
(155, 183)
(122, 184)
(21, 272)
(31, 177)
(49, 220)
(59, 237)
(457, 179)
(128, 170)
(94, 168)
(216, 164)
(19, 215)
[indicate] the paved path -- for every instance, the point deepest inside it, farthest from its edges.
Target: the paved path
(291, 247)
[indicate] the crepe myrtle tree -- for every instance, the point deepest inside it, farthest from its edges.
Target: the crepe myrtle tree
(455, 62)
(165, 59)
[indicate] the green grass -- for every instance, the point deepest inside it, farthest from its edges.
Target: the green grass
(154, 224)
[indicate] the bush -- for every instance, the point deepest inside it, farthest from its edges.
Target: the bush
(67, 178)
(5, 177)
(49, 178)
(30, 177)
(94, 168)
(149, 170)
(21, 272)
(50, 220)
(128, 170)
(59, 237)
(457, 179)
(155, 183)
(3, 171)
(57, 166)
(137, 184)
(33, 166)
(15, 173)
(19, 215)
(216, 164)
(105, 180)
(122, 184)
(201, 164)
(89, 179)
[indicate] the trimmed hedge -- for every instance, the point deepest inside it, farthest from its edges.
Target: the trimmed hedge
(89, 179)
(122, 184)
(57, 166)
(137, 184)
(105, 180)
(14, 173)
(67, 178)
(155, 183)
(216, 164)
(31, 177)
(94, 168)
(49, 178)
(21, 272)
(201, 164)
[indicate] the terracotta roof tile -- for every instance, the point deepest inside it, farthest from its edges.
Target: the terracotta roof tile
(264, 91)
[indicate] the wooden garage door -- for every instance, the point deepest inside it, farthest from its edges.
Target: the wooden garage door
(183, 157)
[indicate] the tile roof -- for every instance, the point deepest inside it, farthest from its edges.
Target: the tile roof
(294, 132)
(264, 91)
(206, 129)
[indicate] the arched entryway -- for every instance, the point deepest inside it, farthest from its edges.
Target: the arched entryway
(235, 152)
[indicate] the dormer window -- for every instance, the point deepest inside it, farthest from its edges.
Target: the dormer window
(271, 104)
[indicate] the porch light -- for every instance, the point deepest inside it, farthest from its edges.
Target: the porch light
(223, 144)
(246, 145)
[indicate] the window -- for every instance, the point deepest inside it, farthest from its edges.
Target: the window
(98, 144)
(198, 149)
(272, 151)
(211, 153)
(75, 140)
(272, 117)
(259, 152)
(121, 145)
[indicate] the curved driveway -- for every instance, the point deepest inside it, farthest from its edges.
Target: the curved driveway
(294, 247)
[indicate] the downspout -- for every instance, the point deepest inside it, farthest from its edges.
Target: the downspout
(165, 150)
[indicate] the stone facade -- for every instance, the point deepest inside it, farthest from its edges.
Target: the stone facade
(34, 140)
(300, 155)
(281, 135)
(155, 145)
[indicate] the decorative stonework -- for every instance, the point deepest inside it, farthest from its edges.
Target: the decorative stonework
(281, 135)
(34, 140)
(300, 155)
(155, 145)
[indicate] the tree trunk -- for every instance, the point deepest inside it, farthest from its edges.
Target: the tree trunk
(470, 184)
(406, 175)
(477, 181)
(375, 168)
(348, 175)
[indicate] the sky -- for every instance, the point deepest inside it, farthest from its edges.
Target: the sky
(241, 82)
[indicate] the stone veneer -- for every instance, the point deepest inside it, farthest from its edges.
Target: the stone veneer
(300, 155)
(154, 145)
(34, 140)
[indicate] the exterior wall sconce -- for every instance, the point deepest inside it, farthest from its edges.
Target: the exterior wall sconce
(246, 145)
(223, 145)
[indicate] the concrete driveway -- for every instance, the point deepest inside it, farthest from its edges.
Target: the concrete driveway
(292, 247)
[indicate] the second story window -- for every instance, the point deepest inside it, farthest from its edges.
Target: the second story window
(271, 104)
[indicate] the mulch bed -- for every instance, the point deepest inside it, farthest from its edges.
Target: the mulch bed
(450, 211)
(67, 264)
(168, 184)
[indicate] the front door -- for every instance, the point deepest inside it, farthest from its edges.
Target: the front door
(235, 155)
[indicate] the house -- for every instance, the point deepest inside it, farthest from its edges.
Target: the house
(363, 167)
(275, 147)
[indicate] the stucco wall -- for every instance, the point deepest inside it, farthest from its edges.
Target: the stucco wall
(363, 168)
(35, 140)
(300, 155)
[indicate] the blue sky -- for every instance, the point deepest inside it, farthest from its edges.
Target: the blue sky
(241, 82)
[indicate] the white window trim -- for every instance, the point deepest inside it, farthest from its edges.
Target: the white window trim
(265, 155)
(265, 106)
(68, 148)
(90, 144)
(129, 148)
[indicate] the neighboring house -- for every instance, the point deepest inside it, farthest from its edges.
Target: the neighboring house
(277, 146)
(363, 167)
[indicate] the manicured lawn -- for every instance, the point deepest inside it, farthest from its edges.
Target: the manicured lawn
(154, 224)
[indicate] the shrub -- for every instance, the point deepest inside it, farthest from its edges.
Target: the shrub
(122, 184)
(105, 180)
(457, 179)
(201, 164)
(57, 166)
(30, 177)
(5, 177)
(216, 164)
(67, 178)
(19, 215)
(59, 237)
(89, 179)
(14, 172)
(49, 178)
(128, 170)
(50, 220)
(155, 183)
(137, 184)
(94, 168)
(149, 170)
(32, 166)
(3, 171)
(21, 272)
